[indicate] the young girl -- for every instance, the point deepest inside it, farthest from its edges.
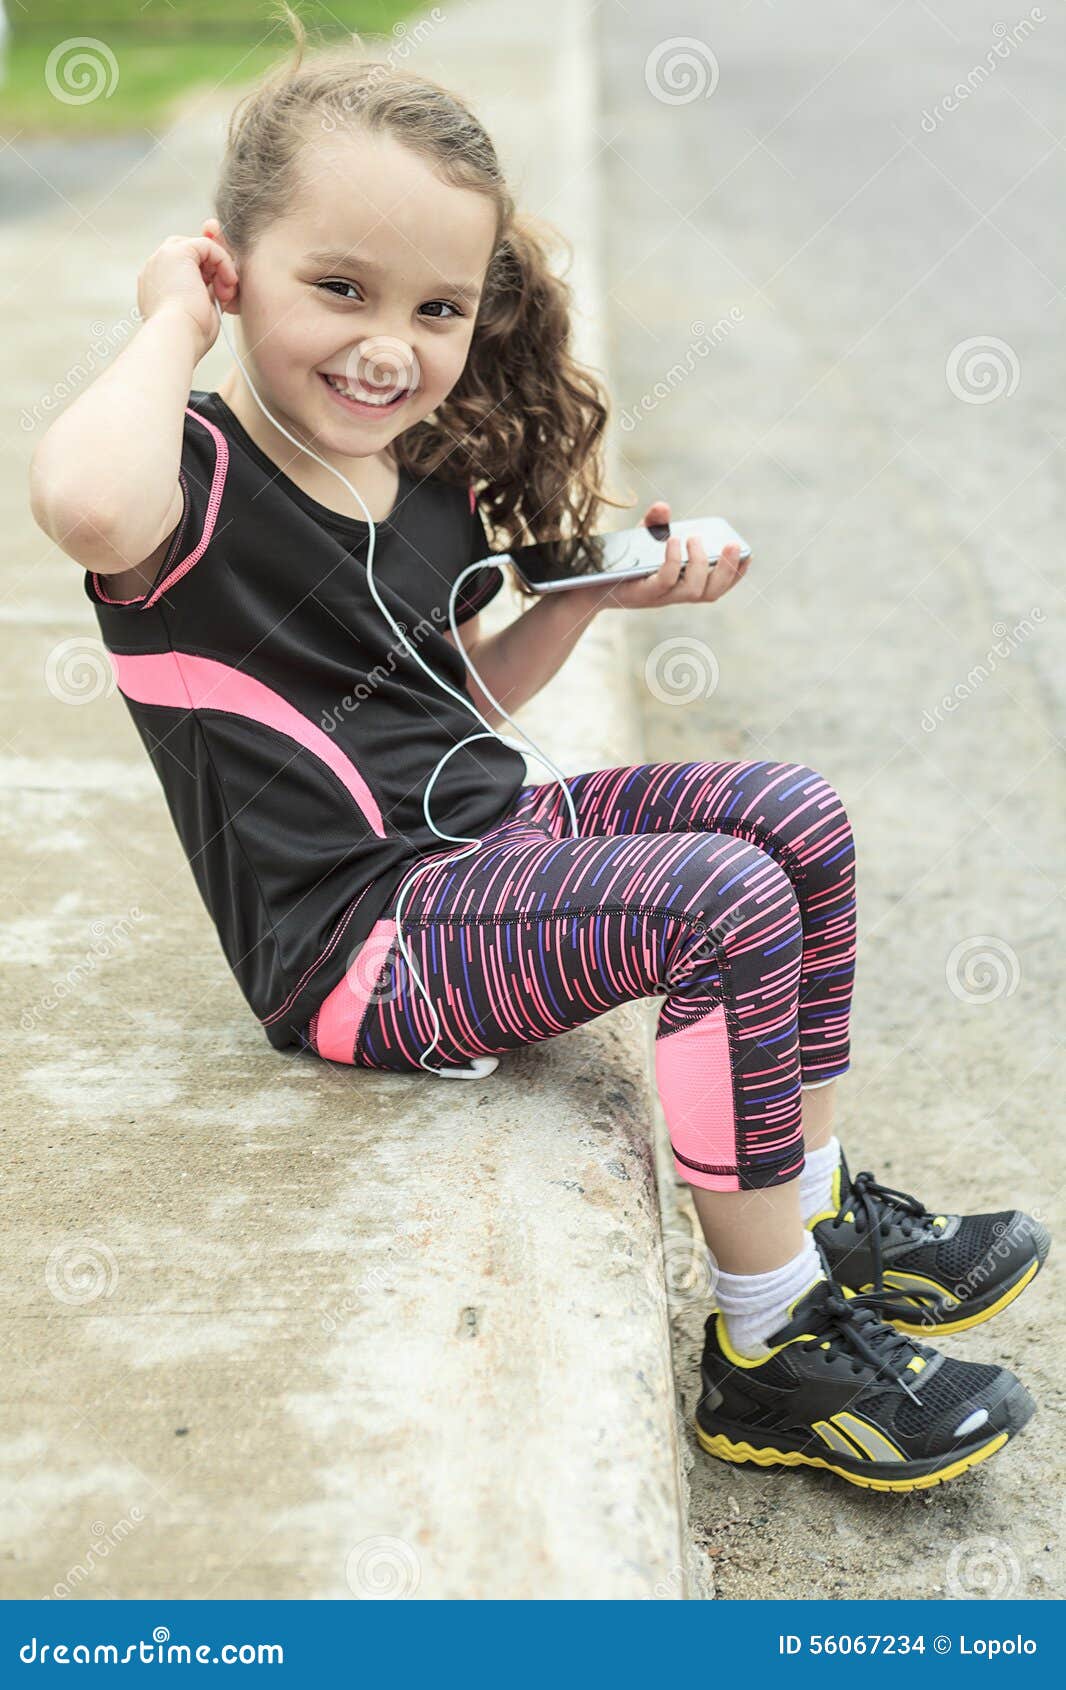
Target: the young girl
(400, 321)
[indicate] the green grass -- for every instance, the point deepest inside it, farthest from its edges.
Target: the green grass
(159, 51)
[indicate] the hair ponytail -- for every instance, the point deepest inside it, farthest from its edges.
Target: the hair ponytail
(525, 421)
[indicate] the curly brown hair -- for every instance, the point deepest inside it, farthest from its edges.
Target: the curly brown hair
(525, 422)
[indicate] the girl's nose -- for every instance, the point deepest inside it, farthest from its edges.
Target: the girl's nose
(382, 360)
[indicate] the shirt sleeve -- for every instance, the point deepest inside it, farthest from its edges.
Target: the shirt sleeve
(481, 588)
(202, 477)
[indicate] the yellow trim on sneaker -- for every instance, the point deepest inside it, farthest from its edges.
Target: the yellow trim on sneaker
(726, 1450)
(834, 1198)
(735, 1358)
(974, 1319)
(825, 1215)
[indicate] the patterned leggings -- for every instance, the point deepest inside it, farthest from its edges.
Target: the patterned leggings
(729, 887)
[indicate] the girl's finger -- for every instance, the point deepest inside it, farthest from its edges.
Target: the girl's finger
(219, 273)
(697, 572)
(656, 514)
(724, 573)
(666, 576)
(225, 281)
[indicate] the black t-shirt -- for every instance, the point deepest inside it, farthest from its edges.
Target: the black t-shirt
(293, 735)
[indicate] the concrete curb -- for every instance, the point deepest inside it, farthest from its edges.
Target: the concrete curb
(346, 1333)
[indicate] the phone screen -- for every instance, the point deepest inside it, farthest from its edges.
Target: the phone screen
(553, 562)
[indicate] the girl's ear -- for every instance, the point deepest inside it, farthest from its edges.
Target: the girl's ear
(212, 228)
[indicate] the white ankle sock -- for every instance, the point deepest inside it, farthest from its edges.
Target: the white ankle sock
(816, 1179)
(755, 1304)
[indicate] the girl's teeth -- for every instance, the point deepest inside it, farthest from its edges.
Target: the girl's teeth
(365, 398)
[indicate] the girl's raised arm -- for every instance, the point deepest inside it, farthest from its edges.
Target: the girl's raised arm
(104, 479)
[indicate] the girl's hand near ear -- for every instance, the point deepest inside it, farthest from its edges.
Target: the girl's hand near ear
(188, 273)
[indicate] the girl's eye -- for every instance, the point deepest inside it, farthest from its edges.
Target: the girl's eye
(336, 283)
(343, 289)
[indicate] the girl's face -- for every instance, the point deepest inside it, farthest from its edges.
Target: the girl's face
(366, 292)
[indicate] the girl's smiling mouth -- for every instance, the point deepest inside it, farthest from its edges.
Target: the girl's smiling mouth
(362, 401)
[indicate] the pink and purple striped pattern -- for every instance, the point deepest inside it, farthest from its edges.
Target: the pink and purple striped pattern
(727, 888)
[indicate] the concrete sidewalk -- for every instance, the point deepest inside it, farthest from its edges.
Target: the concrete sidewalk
(276, 1329)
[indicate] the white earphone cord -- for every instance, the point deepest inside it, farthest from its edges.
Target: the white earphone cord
(480, 1065)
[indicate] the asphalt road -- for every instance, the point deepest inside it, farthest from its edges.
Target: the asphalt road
(835, 315)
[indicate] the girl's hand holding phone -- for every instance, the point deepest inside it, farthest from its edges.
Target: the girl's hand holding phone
(699, 583)
(182, 274)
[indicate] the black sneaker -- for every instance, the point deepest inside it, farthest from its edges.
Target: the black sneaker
(942, 1272)
(842, 1389)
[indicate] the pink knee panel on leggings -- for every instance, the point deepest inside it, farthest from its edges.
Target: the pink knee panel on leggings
(695, 1085)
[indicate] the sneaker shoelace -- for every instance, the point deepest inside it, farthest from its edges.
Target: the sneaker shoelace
(877, 1206)
(856, 1326)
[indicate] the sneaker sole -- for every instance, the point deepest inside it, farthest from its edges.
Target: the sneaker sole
(917, 1475)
